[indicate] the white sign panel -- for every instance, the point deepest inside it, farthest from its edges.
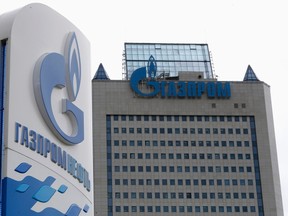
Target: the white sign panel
(48, 161)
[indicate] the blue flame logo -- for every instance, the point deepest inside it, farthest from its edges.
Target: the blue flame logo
(73, 71)
(152, 67)
(140, 74)
(54, 70)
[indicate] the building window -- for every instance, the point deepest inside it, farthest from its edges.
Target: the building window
(176, 118)
(142, 209)
(116, 142)
(165, 209)
(173, 209)
(131, 130)
(118, 208)
(189, 209)
(134, 208)
(133, 181)
(116, 130)
(117, 195)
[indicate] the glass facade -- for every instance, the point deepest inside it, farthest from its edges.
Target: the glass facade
(170, 58)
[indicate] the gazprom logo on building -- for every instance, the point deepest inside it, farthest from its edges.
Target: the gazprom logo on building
(171, 89)
(54, 70)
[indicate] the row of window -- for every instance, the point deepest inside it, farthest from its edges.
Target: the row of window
(184, 209)
(209, 156)
(184, 143)
(140, 130)
(187, 182)
(202, 169)
(181, 195)
(180, 118)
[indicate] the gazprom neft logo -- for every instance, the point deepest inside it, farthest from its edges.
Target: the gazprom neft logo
(171, 89)
(54, 70)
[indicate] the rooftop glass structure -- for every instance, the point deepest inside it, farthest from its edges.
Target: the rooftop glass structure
(170, 58)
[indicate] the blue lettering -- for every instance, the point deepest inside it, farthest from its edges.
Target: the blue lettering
(182, 89)
(200, 88)
(40, 144)
(191, 89)
(86, 180)
(33, 136)
(46, 147)
(72, 166)
(17, 126)
(43, 146)
(61, 161)
(163, 88)
(171, 89)
(53, 153)
(80, 173)
(211, 90)
(223, 91)
(24, 137)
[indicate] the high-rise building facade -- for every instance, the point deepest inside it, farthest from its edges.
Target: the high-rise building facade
(184, 146)
(171, 58)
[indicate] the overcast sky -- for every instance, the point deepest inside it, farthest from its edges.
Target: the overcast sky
(238, 32)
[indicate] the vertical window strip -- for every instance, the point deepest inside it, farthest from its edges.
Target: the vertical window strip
(109, 166)
(256, 166)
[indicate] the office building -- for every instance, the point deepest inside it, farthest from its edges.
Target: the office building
(171, 58)
(188, 145)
